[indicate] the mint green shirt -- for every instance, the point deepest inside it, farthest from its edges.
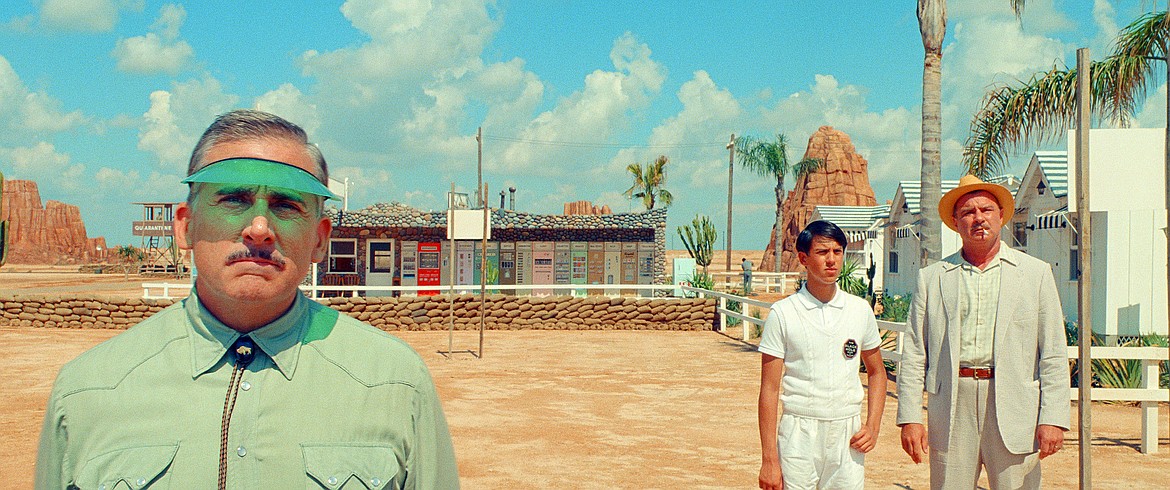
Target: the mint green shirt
(978, 306)
(329, 402)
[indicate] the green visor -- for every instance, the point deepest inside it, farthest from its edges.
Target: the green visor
(253, 171)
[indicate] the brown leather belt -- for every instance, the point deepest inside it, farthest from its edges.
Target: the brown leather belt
(977, 373)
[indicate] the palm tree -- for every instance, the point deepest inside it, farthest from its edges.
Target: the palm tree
(770, 158)
(1044, 107)
(648, 183)
(932, 25)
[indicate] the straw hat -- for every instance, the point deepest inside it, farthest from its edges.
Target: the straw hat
(967, 185)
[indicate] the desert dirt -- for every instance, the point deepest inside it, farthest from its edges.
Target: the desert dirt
(573, 409)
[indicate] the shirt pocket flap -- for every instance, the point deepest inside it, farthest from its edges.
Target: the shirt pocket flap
(132, 468)
(332, 465)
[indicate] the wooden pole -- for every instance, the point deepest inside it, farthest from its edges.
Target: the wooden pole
(730, 172)
(451, 269)
(483, 269)
(1084, 315)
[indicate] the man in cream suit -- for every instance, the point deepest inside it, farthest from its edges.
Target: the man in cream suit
(987, 344)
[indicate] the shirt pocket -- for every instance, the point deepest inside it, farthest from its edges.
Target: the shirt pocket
(352, 466)
(132, 468)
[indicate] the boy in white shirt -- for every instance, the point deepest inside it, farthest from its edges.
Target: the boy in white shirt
(812, 344)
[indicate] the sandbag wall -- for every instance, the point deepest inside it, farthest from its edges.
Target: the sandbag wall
(405, 313)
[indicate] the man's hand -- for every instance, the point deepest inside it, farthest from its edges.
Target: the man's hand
(865, 439)
(1050, 439)
(770, 477)
(914, 442)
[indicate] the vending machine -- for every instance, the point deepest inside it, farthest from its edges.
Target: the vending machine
(596, 264)
(646, 266)
(543, 254)
(465, 262)
(508, 266)
(493, 260)
(430, 265)
(562, 266)
(523, 267)
(445, 271)
(613, 266)
(579, 265)
(409, 266)
(629, 265)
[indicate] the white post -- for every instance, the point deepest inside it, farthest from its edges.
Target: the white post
(1150, 408)
(722, 315)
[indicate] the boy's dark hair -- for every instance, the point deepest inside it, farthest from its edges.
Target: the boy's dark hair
(820, 228)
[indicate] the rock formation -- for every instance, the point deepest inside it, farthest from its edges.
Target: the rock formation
(52, 234)
(841, 180)
(585, 208)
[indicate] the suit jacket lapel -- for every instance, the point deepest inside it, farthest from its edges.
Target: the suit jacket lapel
(1010, 281)
(952, 287)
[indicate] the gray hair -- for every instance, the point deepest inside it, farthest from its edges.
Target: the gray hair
(247, 125)
(251, 125)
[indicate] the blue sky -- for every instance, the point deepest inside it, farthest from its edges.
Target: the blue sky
(101, 101)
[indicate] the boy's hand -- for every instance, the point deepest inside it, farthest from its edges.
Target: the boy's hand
(770, 477)
(864, 440)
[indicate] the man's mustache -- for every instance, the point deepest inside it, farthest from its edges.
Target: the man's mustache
(256, 254)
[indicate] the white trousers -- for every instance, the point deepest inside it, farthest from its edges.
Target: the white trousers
(975, 443)
(815, 454)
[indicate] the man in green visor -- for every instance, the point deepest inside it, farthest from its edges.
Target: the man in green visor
(247, 383)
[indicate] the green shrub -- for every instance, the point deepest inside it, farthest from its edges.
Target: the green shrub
(896, 308)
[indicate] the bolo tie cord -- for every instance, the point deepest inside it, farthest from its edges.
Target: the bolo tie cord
(244, 351)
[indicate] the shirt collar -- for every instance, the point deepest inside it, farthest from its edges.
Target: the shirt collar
(280, 340)
(811, 302)
(1005, 254)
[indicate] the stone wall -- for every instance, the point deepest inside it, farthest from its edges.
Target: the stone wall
(406, 313)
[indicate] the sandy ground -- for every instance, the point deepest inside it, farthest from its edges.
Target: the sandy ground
(595, 409)
(563, 409)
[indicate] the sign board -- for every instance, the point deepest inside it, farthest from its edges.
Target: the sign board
(153, 228)
(467, 224)
(684, 271)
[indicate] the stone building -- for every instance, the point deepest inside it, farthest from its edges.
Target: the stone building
(392, 244)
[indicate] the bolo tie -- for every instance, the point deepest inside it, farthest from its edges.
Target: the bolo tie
(243, 351)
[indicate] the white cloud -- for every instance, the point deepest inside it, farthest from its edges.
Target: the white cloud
(24, 112)
(594, 114)
(288, 102)
(85, 15)
(1038, 16)
(160, 51)
(175, 119)
(42, 163)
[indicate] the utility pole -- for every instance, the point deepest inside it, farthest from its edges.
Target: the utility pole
(1084, 333)
(481, 197)
(730, 172)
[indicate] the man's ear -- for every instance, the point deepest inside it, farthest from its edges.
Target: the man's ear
(324, 229)
(182, 225)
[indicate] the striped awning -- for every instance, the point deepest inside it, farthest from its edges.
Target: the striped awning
(1057, 218)
(861, 236)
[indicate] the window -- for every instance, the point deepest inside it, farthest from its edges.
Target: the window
(1074, 264)
(893, 263)
(1020, 232)
(343, 256)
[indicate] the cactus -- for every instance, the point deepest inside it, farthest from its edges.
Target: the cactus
(699, 239)
(3, 224)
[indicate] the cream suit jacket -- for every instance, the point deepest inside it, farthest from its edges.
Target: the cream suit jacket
(1030, 353)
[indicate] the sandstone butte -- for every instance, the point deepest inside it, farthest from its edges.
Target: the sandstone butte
(49, 234)
(842, 180)
(585, 208)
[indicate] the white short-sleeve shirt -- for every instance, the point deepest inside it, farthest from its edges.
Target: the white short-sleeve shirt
(821, 345)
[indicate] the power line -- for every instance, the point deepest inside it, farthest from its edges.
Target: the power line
(583, 144)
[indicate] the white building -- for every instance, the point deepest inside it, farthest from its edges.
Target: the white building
(1127, 202)
(903, 229)
(863, 227)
